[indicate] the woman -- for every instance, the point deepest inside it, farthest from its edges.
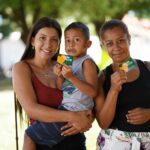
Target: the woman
(123, 103)
(35, 85)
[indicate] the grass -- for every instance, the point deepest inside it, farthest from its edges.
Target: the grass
(7, 125)
(5, 84)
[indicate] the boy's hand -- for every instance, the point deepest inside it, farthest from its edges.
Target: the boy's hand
(66, 71)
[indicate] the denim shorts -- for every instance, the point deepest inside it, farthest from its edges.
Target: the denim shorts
(45, 133)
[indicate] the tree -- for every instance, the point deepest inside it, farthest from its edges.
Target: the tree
(22, 14)
(98, 11)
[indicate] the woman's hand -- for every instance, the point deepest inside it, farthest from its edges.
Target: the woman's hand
(57, 69)
(138, 116)
(117, 79)
(81, 122)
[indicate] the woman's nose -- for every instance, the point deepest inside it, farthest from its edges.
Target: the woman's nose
(48, 44)
(116, 45)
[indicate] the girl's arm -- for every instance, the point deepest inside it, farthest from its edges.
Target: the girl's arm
(89, 86)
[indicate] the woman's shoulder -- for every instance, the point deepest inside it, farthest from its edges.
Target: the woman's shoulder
(147, 63)
(104, 72)
(20, 67)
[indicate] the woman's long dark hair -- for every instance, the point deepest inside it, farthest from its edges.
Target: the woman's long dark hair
(41, 23)
(29, 52)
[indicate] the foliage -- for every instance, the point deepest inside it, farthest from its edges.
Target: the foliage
(22, 14)
(105, 60)
(141, 8)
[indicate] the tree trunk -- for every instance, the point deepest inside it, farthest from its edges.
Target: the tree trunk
(98, 24)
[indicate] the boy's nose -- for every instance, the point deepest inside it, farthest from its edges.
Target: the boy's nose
(72, 43)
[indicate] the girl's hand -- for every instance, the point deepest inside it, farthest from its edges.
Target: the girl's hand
(118, 78)
(81, 122)
(138, 116)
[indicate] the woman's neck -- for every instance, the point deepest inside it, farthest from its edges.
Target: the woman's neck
(43, 64)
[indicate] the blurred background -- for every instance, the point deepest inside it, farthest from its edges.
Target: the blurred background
(18, 16)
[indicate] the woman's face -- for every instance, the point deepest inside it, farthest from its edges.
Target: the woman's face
(117, 43)
(46, 42)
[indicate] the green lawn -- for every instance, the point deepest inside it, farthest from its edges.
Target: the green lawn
(7, 122)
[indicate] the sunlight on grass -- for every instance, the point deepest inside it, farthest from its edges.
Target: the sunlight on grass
(7, 125)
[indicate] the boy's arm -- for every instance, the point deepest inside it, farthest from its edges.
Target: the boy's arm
(89, 86)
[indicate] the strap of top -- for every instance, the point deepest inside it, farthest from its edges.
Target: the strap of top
(28, 66)
(147, 64)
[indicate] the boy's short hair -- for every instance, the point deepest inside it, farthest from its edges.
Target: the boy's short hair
(81, 26)
(112, 24)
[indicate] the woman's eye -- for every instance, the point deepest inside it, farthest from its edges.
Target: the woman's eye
(55, 40)
(122, 40)
(42, 38)
(108, 44)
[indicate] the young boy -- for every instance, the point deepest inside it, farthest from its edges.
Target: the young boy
(78, 82)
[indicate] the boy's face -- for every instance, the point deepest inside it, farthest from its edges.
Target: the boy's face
(75, 43)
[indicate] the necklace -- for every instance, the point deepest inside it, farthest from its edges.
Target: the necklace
(47, 74)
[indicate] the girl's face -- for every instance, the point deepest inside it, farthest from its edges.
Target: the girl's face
(46, 42)
(75, 43)
(117, 43)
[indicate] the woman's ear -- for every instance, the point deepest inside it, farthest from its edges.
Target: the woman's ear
(129, 39)
(102, 45)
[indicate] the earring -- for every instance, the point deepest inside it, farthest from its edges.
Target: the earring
(33, 48)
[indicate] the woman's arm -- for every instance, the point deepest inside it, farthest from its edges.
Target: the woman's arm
(60, 79)
(106, 105)
(22, 85)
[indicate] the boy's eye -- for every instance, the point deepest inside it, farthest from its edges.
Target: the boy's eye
(67, 40)
(76, 39)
